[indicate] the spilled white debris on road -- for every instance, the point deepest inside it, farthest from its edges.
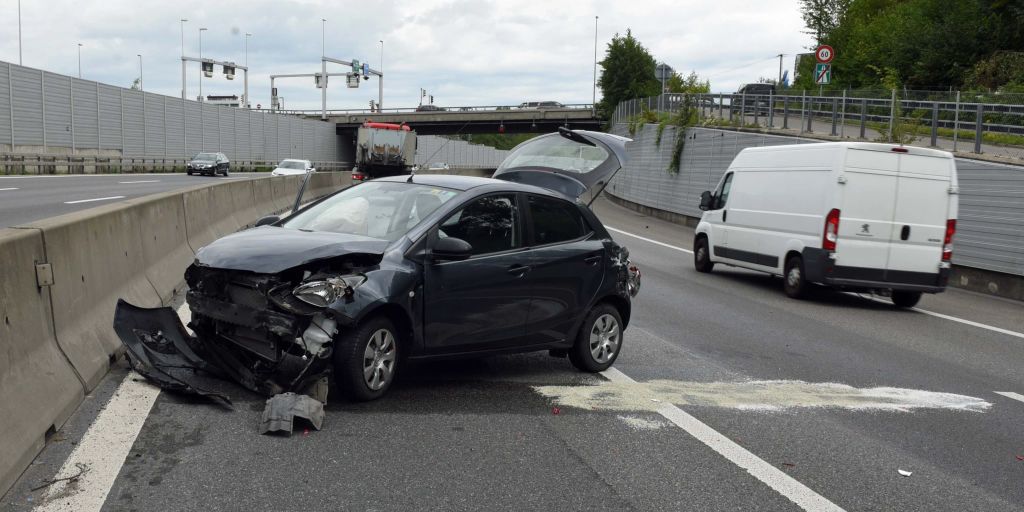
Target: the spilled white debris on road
(763, 395)
(641, 423)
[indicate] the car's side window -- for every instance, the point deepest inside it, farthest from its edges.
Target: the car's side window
(722, 194)
(555, 220)
(489, 224)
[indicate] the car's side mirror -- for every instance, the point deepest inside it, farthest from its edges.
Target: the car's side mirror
(451, 249)
(312, 169)
(269, 219)
(706, 200)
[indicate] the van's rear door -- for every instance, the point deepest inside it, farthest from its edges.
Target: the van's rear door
(919, 219)
(866, 212)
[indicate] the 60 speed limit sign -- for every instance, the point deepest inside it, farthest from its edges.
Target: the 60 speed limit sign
(824, 54)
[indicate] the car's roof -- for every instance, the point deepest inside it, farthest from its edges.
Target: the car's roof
(468, 182)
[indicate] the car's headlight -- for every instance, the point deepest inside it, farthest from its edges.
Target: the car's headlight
(323, 292)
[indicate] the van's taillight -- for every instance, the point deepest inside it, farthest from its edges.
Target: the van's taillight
(828, 240)
(947, 245)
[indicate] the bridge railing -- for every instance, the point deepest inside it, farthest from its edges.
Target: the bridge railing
(433, 109)
(977, 122)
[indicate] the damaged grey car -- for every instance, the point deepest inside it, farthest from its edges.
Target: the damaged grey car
(406, 268)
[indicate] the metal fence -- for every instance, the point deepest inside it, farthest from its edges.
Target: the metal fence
(990, 229)
(976, 122)
(50, 114)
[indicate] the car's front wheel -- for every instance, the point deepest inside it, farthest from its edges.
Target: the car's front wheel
(702, 255)
(366, 359)
(227, 170)
(599, 341)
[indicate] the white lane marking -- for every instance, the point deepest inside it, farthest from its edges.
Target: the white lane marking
(8, 188)
(971, 323)
(27, 177)
(91, 200)
(609, 228)
(103, 449)
(1009, 394)
(140, 181)
(771, 476)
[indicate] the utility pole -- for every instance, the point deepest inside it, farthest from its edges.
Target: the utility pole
(380, 93)
(247, 49)
(79, 60)
(201, 30)
(183, 20)
(779, 83)
(323, 68)
(140, 71)
(593, 101)
(19, 33)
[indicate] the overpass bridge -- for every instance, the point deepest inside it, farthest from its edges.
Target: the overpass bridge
(479, 119)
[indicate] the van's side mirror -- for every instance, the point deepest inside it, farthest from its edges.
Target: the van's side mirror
(451, 249)
(269, 219)
(705, 200)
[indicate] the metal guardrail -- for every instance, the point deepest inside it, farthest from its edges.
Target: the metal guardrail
(980, 122)
(76, 164)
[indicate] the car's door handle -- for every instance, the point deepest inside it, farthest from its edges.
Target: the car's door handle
(518, 269)
(592, 260)
(725, 213)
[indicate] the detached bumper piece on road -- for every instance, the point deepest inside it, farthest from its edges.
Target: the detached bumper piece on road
(281, 410)
(160, 349)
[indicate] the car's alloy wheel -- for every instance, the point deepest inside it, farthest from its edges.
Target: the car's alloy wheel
(599, 341)
(379, 359)
(702, 256)
(793, 278)
(366, 359)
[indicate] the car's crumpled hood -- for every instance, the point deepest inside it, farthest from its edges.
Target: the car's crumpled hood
(271, 249)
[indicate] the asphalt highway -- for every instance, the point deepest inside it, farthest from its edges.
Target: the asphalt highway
(28, 198)
(727, 396)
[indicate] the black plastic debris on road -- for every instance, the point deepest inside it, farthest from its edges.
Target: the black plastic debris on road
(281, 411)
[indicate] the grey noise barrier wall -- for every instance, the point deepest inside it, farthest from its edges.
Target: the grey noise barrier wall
(56, 340)
(988, 250)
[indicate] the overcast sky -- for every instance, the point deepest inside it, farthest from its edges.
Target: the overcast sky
(463, 52)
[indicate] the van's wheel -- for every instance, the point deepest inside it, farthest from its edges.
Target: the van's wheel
(366, 359)
(702, 255)
(793, 278)
(903, 299)
(599, 341)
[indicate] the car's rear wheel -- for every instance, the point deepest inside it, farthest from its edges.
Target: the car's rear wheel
(904, 299)
(599, 341)
(702, 255)
(793, 278)
(366, 359)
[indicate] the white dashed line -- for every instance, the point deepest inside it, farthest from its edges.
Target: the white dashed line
(1009, 394)
(771, 476)
(140, 181)
(655, 242)
(91, 200)
(8, 188)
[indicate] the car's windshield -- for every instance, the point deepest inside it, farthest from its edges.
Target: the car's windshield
(556, 152)
(292, 164)
(385, 210)
(206, 156)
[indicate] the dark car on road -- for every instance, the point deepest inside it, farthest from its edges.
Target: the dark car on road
(209, 164)
(429, 108)
(413, 267)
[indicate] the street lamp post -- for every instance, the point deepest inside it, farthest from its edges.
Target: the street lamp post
(380, 99)
(140, 71)
(323, 68)
(247, 35)
(201, 30)
(593, 101)
(19, 33)
(245, 101)
(79, 60)
(183, 20)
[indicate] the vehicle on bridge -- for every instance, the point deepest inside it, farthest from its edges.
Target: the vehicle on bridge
(291, 166)
(853, 216)
(397, 269)
(383, 149)
(429, 108)
(541, 105)
(209, 164)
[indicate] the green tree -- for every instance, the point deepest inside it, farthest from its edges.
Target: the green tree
(822, 16)
(627, 72)
(691, 84)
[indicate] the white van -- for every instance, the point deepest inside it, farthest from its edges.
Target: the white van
(854, 216)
